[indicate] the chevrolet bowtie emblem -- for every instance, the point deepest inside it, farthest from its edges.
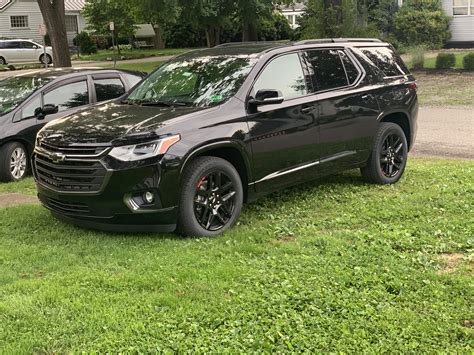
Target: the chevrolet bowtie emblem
(57, 157)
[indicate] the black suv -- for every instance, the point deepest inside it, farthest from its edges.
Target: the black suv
(29, 100)
(213, 128)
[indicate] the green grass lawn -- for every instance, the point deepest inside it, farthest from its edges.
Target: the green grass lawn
(135, 53)
(335, 265)
(145, 67)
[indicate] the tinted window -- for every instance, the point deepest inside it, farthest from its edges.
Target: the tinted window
(328, 69)
(351, 70)
(28, 45)
(29, 109)
(68, 96)
(13, 45)
(284, 74)
(106, 89)
(15, 90)
(386, 60)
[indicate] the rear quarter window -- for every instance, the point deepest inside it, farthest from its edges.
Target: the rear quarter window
(386, 60)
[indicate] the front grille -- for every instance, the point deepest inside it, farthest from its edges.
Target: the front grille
(65, 207)
(73, 150)
(69, 174)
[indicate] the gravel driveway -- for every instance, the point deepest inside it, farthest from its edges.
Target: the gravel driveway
(445, 132)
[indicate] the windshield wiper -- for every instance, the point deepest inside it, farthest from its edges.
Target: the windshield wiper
(155, 103)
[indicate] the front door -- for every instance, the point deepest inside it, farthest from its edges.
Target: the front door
(283, 136)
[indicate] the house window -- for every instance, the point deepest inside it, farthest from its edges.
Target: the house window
(463, 7)
(71, 23)
(19, 21)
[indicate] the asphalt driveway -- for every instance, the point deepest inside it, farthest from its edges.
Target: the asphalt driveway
(445, 132)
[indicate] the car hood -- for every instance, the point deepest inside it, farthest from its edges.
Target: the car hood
(114, 123)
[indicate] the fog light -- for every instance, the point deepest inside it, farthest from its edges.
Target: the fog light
(149, 197)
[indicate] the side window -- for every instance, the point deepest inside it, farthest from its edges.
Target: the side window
(68, 96)
(27, 45)
(386, 60)
(328, 69)
(284, 74)
(13, 45)
(106, 89)
(29, 110)
(351, 70)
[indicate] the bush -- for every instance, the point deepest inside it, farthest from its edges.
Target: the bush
(85, 43)
(445, 60)
(468, 61)
(422, 22)
(417, 54)
(101, 42)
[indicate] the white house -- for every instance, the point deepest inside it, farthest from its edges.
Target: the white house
(460, 11)
(22, 19)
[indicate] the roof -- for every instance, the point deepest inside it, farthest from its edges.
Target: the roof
(74, 5)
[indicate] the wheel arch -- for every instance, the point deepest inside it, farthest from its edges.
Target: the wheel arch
(402, 119)
(229, 150)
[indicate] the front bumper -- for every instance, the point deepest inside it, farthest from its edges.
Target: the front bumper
(118, 206)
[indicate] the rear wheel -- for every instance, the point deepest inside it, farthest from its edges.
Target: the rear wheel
(3, 61)
(13, 162)
(211, 197)
(46, 59)
(389, 155)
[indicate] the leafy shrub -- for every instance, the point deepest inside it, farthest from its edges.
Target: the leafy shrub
(417, 54)
(468, 61)
(422, 22)
(182, 35)
(445, 60)
(101, 42)
(85, 43)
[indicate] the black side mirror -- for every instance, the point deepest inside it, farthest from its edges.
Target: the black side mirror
(47, 109)
(267, 97)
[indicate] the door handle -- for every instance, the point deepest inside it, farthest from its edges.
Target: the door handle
(308, 109)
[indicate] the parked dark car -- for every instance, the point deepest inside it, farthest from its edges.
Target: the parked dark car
(214, 128)
(29, 101)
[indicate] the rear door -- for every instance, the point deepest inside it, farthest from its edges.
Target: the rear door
(12, 51)
(283, 136)
(347, 110)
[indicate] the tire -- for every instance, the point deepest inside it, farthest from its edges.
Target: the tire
(3, 61)
(211, 190)
(48, 60)
(12, 153)
(389, 154)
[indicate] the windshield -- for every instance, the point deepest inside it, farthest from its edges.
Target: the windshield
(14, 91)
(200, 81)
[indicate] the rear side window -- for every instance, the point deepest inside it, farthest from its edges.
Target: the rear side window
(351, 70)
(106, 89)
(386, 60)
(12, 45)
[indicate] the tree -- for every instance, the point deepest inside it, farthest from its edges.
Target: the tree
(422, 22)
(54, 18)
(99, 13)
(157, 13)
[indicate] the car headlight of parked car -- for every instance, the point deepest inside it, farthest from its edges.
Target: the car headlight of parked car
(144, 150)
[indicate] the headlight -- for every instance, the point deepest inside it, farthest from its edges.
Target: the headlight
(144, 150)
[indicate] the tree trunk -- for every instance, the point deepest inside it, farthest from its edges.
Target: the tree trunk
(158, 40)
(212, 36)
(249, 32)
(53, 16)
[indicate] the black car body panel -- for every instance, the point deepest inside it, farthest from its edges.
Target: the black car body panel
(272, 146)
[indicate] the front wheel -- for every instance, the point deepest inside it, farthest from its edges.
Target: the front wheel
(211, 197)
(389, 155)
(13, 162)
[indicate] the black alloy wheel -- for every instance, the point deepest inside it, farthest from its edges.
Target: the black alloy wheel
(214, 201)
(389, 154)
(211, 197)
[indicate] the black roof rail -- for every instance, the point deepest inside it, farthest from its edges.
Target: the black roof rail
(337, 40)
(232, 44)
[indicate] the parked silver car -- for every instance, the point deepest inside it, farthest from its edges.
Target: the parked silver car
(24, 51)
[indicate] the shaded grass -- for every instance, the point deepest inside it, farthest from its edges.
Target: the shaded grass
(25, 186)
(450, 89)
(334, 265)
(134, 54)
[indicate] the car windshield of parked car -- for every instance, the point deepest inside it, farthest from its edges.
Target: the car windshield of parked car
(14, 91)
(199, 82)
